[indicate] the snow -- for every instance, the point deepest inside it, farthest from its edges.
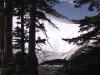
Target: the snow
(66, 29)
(56, 48)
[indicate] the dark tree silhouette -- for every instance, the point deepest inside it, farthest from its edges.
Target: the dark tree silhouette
(8, 29)
(88, 58)
(36, 10)
(1, 30)
(89, 24)
(93, 4)
(6, 35)
(55, 62)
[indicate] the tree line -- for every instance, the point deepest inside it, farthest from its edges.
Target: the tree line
(27, 13)
(86, 61)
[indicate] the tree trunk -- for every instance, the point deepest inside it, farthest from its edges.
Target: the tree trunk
(2, 24)
(8, 40)
(22, 29)
(8, 32)
(33, 62)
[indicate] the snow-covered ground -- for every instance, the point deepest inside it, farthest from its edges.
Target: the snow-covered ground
(66, 29)
(56, 46)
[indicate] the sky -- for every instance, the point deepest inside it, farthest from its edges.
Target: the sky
(66, 8)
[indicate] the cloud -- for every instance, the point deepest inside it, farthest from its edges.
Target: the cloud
(69, 1)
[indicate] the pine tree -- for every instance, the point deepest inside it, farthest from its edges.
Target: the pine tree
(93, 4)
(90, 38)
(6, 35)
(2, 23)
(35, 9)
(89, 25)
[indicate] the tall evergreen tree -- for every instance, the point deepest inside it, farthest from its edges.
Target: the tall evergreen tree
(6, 35)
(2, 23)
(36, 9)
(90, 38)
(36, 14)
(93, 4)
(32, 55)
(8, 28)
(88, 24)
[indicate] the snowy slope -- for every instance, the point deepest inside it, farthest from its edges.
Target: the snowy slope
(66, 29)
(57, 48)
